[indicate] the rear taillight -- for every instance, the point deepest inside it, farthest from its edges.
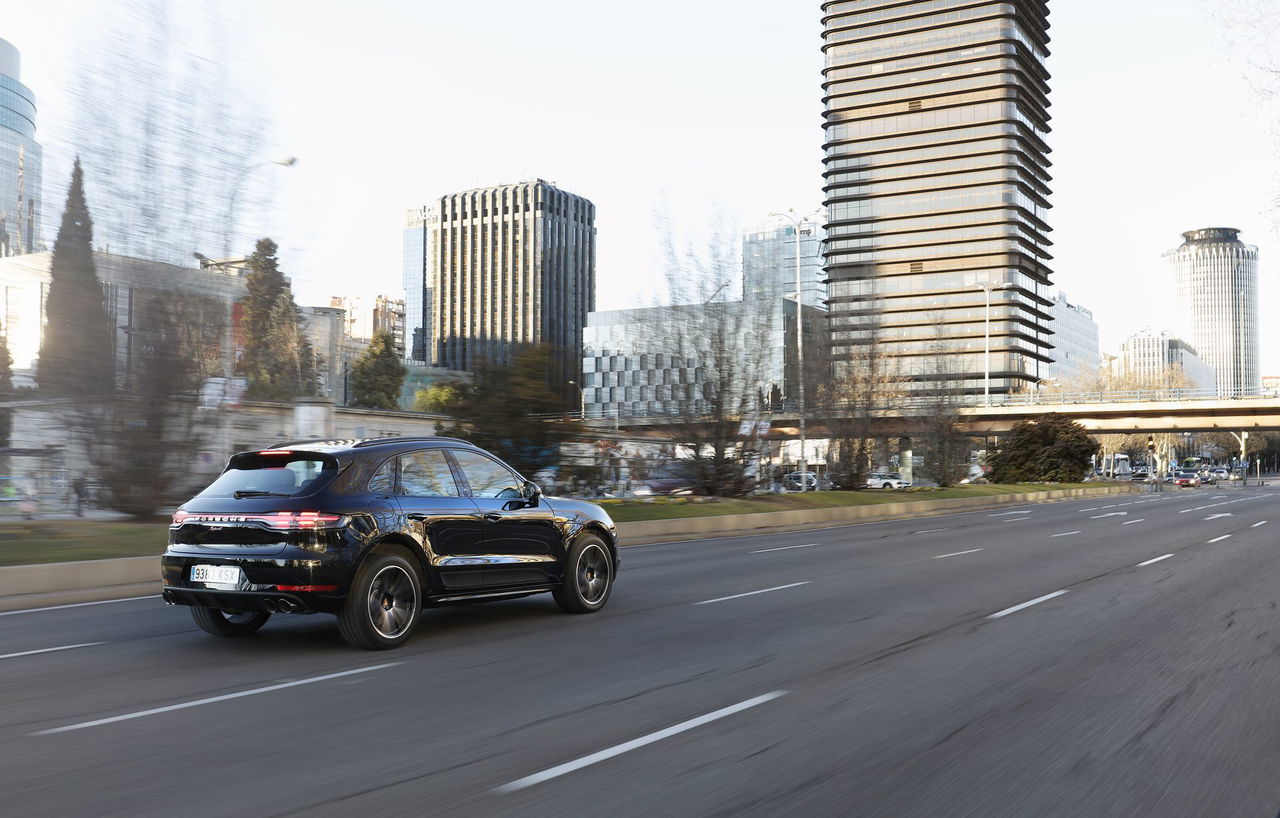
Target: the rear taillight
(317, 588)
(280, 520)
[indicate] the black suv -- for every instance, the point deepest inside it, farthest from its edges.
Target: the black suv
(373, 530)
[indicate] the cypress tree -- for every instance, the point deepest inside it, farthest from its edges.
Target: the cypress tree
(76, 355)
(377, 375)
(276, 357)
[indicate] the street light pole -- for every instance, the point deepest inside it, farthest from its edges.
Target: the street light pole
(582, 400)
(287, 162)
(986, 355)
(804, 471)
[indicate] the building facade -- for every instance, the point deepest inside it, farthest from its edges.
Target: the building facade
(769, 262)
(1077, 356)
(202, 299)
(936, 175)
(21, 160)
(1151, 360)
(389, 316)
(511, 266)
(1217, 289)
(417, 287)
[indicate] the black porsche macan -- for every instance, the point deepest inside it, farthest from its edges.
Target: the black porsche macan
(373, 531)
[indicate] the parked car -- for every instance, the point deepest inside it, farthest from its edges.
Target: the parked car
(886, 480)
(1187, 479)
(374, 531)
(673, 480)
(793, 482)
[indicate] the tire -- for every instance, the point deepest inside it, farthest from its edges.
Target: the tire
(588, 577)
(383, 606)
(887, 486)
(228, 623)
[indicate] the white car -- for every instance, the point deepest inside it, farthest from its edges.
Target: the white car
(886, 480)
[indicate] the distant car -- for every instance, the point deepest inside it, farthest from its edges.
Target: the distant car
(673, 480)
(793, 482)
(1187, 479)
(886, 480)
(1139, 476)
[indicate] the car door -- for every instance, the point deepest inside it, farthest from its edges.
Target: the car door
(521, 537)
(447, 522)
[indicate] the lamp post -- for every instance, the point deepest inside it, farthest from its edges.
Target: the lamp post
(804, 471)
(582, 400)
(986, 354)
(287, 162)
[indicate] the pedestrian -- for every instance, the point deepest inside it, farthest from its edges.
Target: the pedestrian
(79, 487)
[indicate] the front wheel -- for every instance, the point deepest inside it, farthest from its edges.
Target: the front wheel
(228, 623)
(588, 577)
(382, 608)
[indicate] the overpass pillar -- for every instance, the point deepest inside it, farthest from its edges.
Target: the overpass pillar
(881, 455)
(904, 458)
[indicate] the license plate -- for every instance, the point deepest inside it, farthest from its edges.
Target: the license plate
(216, 574)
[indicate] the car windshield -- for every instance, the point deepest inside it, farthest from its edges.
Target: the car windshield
(273, 474)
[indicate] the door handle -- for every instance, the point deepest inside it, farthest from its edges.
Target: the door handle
(492, 517)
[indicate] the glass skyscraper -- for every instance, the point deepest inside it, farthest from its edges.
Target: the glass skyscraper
(1217, 281)
(417, 289)
(769, 262)
(937, 183)
(20, 160)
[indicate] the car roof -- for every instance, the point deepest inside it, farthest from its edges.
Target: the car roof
(376, 445)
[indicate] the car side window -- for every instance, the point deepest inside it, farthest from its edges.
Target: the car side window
(384, 479)
(488, 477)
(426, 473)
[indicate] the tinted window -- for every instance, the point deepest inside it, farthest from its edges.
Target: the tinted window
(273, 474)
(488, 477)
(384, 479)
(427, 474)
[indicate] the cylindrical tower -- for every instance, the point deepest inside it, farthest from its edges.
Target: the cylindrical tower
(1217, 283)
(20, 160)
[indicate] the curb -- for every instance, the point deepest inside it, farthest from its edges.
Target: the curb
(68, 583)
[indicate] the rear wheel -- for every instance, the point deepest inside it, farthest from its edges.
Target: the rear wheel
(588, 577)
(228, 623)
(382, 608)
(887, 486)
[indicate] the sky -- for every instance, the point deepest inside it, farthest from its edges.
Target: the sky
(707, 110)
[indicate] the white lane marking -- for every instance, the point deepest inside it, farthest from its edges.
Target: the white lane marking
(1113, 505)
(1122, 505)
(197, 702)
(1152, 562)
(1007, 513)
(1218, 497)
(1139, 520)
(789, 547)
(1066, 534)
(1257, 525)
(941, 557)
(50, 650)
(1091, 508)
(930, 531)
(635, 743)
(751, 593)
(1035, 601)
(1216, 516)
(1110, 514)
(78, 605)
(1220, 539)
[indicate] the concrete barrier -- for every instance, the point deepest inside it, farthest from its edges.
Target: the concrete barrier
(59, 583)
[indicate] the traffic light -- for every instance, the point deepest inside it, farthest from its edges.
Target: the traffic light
(1151, 443)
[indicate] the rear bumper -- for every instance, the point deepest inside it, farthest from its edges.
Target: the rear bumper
(271, 601)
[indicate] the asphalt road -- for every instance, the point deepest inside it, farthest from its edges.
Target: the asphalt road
(890, 669)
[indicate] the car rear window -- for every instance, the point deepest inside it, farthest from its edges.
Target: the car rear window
(284, 474)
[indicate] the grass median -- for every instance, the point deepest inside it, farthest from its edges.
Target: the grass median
(29, 542)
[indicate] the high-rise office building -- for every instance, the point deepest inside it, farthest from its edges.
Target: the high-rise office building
(1076, 354)
(511, 266)
(1217, 286)
(417, 289)
(21, 160)
(937, 183)
(769, 262)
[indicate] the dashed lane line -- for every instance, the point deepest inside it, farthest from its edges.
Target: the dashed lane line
(1154, 561)
(1220, 539)
(1066, 534)
(752, 593)
(939, 557)
(1028, 604)
(789, 547)
(51, 650)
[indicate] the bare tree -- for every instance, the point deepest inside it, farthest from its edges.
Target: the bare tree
(946, 447)
(863, 381)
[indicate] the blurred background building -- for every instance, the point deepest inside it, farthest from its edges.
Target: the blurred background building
(21, 160)
(769, 262)
(389, 316)
(511, 265)
(1152, 359)
(417, 287)
(1076, 352)
(936, 179)
(1216, 276)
